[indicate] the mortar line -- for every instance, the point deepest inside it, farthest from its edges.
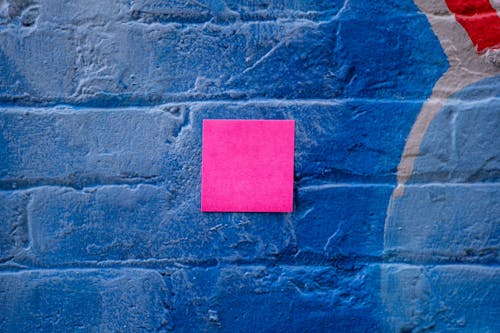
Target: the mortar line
(279, 101)
(222, 264)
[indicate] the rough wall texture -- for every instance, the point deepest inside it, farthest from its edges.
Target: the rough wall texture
(397, 204)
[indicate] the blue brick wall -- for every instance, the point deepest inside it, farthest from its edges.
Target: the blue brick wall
(101, 106)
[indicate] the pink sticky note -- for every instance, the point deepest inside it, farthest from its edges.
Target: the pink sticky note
(247, 166)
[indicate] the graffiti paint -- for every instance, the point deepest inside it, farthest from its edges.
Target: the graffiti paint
(480, 20)
(444, 209)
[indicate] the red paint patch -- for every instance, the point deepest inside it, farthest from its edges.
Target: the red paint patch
(480, 20)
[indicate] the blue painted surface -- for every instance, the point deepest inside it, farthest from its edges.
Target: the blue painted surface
(84, 301)
(462, 143)
(449, 214)
(100, 144)
(154, 200)
(148, 52)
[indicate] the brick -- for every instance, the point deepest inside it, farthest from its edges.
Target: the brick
(444, 298)
(86, 146)
(14, 234)
(84, 301)
(476, 150)
(461, 144)
(147, 53)
(82, 15)
(29, 65)
(277, 299)
(341, 221)
(450, 223)
(144, 223)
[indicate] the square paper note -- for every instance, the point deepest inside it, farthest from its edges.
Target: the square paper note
(247, 166)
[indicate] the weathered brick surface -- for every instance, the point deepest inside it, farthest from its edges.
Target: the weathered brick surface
(85, 147)
(277, 299)
(146, 222)
(456, 298)
(101, 110)
(143, 52)
(341, 221)
(461, 145)
(14, 235)
(85, 150)
(84, 301)
(447, 223)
